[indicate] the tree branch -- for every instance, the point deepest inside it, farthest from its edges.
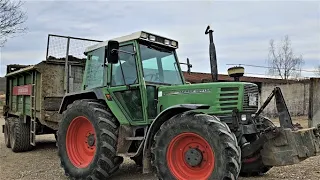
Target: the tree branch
(282, 60)
(11, 19)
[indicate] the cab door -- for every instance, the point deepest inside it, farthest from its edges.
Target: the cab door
(125, 86)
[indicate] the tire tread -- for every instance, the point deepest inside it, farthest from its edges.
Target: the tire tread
(108, 126)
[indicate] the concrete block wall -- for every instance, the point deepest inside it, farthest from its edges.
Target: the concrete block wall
(296, 95)
(314, 113)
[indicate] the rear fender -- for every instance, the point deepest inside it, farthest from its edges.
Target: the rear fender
(156, 124)
(89, 94)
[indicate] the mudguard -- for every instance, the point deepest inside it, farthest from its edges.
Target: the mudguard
(95, 93)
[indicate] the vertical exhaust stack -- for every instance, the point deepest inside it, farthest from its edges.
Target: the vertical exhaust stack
(213, 56)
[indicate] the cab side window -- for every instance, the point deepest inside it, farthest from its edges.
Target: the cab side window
(126, 72)
(95, 68)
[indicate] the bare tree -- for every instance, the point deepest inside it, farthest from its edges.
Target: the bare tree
(11, 19)
(318, 70)
(282, 61)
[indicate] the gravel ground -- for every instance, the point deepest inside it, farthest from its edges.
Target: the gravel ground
(43, 163)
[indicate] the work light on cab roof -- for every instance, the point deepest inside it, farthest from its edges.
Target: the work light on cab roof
(141, 35)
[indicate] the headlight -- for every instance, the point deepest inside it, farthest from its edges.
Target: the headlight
(174, 43)
(152, 38)
(253, 101)
(166, 42)
(243, 117)
(144, 35)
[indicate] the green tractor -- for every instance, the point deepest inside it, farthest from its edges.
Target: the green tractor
(140, 106)
(134, 102)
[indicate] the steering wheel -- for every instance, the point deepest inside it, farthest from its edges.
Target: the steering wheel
(155, 76)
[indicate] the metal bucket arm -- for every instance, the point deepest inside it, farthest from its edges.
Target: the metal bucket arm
(284, 115)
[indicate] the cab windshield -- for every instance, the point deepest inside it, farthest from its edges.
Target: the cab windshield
(159, 65)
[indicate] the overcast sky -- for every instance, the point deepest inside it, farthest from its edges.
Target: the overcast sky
(242, 28)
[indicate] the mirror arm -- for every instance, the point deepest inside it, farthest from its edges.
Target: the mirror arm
(188, 65)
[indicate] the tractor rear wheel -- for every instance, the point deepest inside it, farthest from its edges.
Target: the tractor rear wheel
(195, 146)
(87, 139)
(19, 136)
(7, 132)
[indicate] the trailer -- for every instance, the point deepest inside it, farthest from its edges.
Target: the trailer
(35, 92)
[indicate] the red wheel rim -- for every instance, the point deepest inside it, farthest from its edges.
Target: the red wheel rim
(81, 142)
(177, 162)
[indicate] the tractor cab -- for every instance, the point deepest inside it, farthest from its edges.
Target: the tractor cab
(132, 67)
(133, 59)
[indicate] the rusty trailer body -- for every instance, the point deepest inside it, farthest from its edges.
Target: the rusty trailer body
(35, 92)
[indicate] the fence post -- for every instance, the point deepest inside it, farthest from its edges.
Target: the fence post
(66, 73)
(314, 102)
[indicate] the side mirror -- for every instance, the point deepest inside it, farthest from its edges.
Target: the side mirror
(112, 52)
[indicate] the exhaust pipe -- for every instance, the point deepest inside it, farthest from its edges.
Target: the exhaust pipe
(213, 56)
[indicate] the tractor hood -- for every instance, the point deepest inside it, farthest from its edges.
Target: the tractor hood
(222, 97)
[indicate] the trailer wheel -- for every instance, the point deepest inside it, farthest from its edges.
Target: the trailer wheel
(87, 139)
(195, 146)
(7, 132)
(20, 136)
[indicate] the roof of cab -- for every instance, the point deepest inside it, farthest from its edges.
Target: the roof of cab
(121, 39)
(129, 37)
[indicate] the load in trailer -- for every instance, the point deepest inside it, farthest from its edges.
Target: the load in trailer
(134, 102)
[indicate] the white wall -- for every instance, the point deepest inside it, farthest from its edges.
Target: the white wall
(296, 95)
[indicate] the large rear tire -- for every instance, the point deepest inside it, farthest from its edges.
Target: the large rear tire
(196, 146)
(87, 140)
(20, 136)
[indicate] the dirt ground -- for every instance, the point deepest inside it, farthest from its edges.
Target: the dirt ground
(43, 163)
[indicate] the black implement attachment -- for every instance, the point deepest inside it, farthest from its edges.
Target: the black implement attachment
(284, 115)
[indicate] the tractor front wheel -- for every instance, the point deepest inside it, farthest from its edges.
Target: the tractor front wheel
(196, 146)
(87, 139)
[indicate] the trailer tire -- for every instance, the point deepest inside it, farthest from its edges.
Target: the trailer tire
(195, 146)
(7, 132)
(20, 136)
(98, 159)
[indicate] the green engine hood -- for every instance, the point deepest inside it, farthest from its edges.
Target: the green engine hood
(222, 97)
